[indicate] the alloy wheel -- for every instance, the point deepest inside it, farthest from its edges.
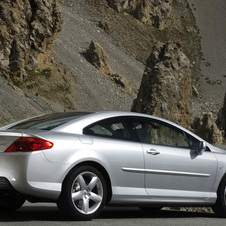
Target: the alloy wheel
(87, 192)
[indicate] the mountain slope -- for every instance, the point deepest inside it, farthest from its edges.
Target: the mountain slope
(127, 43)
(94, 90)
(211, 20)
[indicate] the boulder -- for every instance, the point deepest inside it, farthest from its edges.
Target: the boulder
(97, 57)
(165, 89)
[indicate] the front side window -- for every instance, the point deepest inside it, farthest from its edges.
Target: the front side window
(156, 132)
(193, 142)
(111, 128)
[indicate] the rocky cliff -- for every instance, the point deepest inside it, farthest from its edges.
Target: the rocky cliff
(29, 74)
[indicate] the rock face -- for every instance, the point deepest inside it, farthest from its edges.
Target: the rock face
(28, 29)
(207, 129)
(154, 12)
(165, 89)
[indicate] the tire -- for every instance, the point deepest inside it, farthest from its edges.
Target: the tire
(219, 207)
(84, 194)
(151, 209)
(10, 202)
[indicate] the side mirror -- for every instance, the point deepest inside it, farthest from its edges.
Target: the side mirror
(200, 148)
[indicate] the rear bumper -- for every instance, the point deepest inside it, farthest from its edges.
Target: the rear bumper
(31, 174)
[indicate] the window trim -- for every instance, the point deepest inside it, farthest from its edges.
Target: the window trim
(127, 122)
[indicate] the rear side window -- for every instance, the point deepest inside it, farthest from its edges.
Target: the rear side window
(114, 128)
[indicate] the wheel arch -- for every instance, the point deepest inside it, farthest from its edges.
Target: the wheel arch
(221, 181)
(101, 169)
(219, 206)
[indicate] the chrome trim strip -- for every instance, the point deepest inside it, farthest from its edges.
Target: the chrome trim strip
(164, 172)
(133, 170)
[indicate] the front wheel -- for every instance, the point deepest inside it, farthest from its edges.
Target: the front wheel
(219, 207)
(83, 194)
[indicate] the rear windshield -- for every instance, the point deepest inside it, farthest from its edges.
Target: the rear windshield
(48, 122)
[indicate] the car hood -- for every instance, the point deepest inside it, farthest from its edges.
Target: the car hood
(218, 149)
(221, 148)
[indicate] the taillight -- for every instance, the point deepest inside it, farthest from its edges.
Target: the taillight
(29, 144)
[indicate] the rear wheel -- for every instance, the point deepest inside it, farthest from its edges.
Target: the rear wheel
(219, 207)
(84, 194)
(10, 201)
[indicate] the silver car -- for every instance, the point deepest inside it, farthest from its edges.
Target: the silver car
(85, 161)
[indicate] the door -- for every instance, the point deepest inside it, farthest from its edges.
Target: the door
(173, 170)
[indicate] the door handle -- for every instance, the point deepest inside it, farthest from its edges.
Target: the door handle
(153, 152)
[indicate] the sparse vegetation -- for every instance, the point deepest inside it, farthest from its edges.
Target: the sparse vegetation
(32, 74)
(52, 78)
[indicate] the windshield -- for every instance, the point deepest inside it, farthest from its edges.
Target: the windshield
(48, 122)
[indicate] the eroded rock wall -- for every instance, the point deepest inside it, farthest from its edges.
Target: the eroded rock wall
(28, 29)
(153, 12)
